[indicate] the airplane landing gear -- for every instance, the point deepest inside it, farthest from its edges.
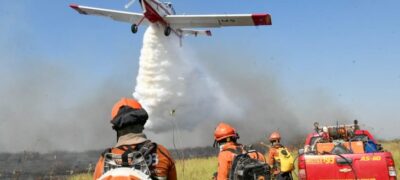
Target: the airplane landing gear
(134, 28)
(167, 31)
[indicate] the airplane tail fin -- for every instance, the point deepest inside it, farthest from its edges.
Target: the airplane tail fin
(187, 32)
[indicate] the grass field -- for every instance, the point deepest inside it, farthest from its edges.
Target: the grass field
(201, 169)
(394, 147)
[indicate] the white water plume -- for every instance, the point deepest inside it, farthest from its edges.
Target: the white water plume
(170, 80)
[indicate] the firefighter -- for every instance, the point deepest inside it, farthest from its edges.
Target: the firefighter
(277, 161)
(225, 137)
(128, 120)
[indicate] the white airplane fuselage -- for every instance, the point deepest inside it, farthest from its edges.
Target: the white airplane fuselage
(155, 11)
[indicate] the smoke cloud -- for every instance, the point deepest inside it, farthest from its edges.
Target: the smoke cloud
(45, 104)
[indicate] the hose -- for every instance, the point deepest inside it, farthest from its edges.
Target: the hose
(294, 160)
(297, 157)
(347, 161)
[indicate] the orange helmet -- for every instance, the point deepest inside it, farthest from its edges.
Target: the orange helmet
(223, 131)
(124, 102)
(127, 111)
(275, 136)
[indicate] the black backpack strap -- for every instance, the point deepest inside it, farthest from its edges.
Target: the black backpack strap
(231, 150)
(146, 148)
(108, 150)
(236, 151)
(234, 164)
(124, 156)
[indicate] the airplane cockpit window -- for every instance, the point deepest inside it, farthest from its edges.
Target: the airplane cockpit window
(169, 4)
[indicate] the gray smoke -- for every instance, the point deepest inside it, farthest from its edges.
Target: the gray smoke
(42, 109)
(45, 105)
(264, 104)
(41, 112)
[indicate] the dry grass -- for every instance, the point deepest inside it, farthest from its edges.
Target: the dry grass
(81, 177)
(196, 169)
(394, 148)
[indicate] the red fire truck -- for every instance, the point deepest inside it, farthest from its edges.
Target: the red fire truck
(344, 152)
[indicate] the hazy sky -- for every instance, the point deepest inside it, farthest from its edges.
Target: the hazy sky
(345, 52)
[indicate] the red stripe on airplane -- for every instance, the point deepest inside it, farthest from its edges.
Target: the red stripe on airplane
(152, 14)
(162, 7)
(76, 7)
(261, 19)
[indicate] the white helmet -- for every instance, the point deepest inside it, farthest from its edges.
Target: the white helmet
(325, 129)
(124, 173)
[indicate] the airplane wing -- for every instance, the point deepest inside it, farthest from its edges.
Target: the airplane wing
(198, 21)
(123, 16)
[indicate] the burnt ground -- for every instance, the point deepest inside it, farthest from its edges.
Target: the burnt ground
(55, 165)
(59, 164)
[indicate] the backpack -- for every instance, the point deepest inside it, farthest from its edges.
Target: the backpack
(286, 160)
(124, 173)
(133, 163)
(246, 168)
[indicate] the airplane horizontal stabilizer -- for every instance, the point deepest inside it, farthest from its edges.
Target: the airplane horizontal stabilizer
(194, 32)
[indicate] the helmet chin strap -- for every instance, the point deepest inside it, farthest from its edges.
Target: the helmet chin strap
(221, 145)
(215, 144)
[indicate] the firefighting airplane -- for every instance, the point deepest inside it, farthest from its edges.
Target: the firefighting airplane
(163, 13)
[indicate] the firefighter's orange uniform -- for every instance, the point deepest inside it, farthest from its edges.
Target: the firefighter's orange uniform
(128, 119)
(224, 132)
(225, 158)
(164, 165)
